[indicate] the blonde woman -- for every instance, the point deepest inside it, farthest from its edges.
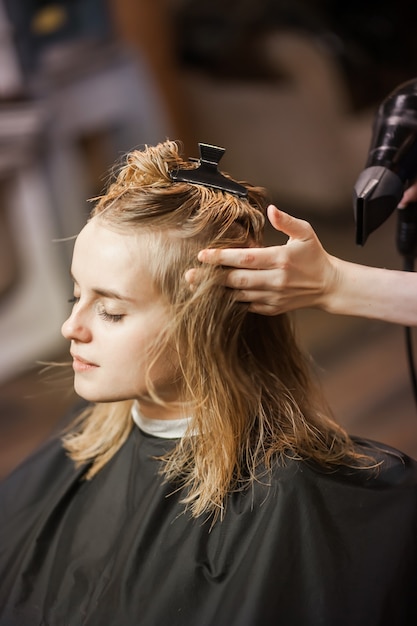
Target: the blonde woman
(206, 483)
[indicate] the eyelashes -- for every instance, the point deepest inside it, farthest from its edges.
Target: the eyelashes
(108, 317)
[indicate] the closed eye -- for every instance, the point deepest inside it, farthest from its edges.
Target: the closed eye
(108, 317)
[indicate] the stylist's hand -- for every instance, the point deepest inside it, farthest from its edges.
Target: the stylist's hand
(277, 279)
(410, 195)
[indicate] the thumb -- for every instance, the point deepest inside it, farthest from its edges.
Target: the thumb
(287, 224)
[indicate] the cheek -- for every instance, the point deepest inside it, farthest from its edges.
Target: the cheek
(133, 346)
(130, 357)
(127, 344)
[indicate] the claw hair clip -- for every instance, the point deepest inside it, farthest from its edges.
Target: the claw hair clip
(207, 173)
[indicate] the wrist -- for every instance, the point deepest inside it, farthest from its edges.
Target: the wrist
(329, 294)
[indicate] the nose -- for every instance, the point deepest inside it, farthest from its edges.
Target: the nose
(75, 328)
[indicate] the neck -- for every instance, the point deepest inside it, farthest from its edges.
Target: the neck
(154, 411)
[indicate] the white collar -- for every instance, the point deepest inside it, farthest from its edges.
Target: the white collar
(165, 429)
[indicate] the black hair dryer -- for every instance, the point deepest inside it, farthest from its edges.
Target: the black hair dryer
(392, 161)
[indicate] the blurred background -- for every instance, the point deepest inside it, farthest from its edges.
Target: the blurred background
(290, 88)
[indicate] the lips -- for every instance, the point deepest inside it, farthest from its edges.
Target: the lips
(82, 365)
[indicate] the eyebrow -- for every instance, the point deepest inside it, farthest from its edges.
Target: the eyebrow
(106, 293)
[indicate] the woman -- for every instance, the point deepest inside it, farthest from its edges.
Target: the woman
(206, 483)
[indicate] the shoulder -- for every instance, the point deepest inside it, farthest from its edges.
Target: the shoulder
(390, 477)
(392, 469)
(351, 501)
(44, 471)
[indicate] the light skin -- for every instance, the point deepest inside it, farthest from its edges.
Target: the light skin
(117, 313)
(301, 274)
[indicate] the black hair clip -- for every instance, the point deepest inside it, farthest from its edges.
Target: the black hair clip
(207, 173)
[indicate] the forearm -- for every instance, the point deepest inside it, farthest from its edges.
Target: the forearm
(375, 293)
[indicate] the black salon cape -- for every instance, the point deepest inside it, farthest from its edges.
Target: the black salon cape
(311, 549)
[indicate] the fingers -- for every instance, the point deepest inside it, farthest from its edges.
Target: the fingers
(265, 309)
(260, 258)
(249, 286)
(410, 195)
(257, 258)
(289, 225)
(239, 279)
(264, 303)
(192, 277)
(261, 297)
(269, 280)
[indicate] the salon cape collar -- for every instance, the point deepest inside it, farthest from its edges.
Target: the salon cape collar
(165, 429)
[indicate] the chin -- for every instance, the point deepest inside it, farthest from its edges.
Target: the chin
(87, 392)
(92, 394)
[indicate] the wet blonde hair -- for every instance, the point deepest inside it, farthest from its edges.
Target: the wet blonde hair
(252, 394)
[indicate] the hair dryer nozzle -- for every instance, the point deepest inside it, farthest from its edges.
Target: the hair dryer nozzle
(392, 160)
(376, 195)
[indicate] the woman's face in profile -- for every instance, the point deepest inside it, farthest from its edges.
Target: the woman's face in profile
(117, 313)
